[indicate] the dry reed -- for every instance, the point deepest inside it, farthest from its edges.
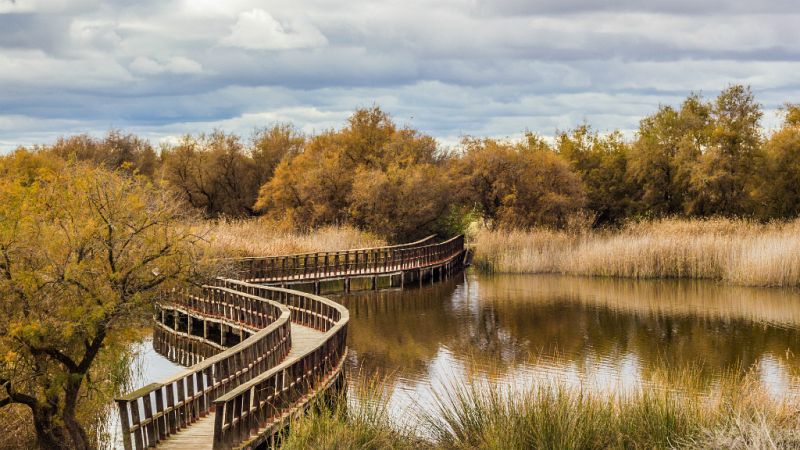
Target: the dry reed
(260, 237)
(736, 251)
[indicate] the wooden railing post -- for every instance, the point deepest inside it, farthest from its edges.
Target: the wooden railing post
(124, 419)
(252, 382)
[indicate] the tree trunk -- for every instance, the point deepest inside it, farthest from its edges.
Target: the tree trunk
(76, 431)
(59, 432)
(51, 435)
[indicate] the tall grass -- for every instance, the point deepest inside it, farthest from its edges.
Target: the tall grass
(335, 422)
(737, 251)
(738, 414)
(261, 237)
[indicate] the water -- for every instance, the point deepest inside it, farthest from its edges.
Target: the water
(603, 334)
(148, 367)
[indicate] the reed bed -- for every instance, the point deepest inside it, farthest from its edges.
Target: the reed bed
(736, 251)
(260, 237)
(738, 414)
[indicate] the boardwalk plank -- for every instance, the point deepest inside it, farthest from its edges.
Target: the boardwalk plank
(200, 435)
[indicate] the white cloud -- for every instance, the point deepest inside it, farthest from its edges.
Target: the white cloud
(258, 30)
(451, 67)
(175, 65)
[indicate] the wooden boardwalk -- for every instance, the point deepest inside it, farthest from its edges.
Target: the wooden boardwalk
(260, 353)
(200, 435)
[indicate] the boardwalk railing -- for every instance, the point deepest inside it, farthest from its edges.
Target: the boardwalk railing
(252, 408)
(253, 386)
(150, 414)
(314, 266)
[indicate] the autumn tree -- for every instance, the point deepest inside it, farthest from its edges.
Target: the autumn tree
(370, 173)
(668, 146)
(270, 145)
(212, 172)
(601, 161)
(312, 188)
(363, 141)
(779, 184)
(518, 185)
(117, 150)
(722, 181)
(402, 203)
(83, 252)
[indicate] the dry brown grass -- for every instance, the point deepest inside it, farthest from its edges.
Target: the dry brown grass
(737, 251)
(259, 237)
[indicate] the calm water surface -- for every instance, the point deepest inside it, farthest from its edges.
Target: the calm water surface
(604, 334)
(148, 367)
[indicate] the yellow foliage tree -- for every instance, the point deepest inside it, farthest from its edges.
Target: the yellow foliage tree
(518, 185)
(369, 173)
(83, 252)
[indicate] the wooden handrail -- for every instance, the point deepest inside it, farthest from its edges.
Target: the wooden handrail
(318, 313)
(259, 402)
(253, 385)
(314, 266)
(157, 410)
(424, 241)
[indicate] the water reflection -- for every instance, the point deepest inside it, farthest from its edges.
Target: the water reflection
(147, 367)
(605, 334)
(602, 333)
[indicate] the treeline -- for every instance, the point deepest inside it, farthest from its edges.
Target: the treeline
(698, 159)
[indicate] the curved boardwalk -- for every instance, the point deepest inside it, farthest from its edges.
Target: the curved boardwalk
(258, 353)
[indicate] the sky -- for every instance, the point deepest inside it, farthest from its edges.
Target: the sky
(451, 68)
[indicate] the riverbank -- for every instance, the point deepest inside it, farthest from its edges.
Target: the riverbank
(736, 251)
(737, 415)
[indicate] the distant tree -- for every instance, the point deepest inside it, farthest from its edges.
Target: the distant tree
(272, 145)
(350, 174)
(213, 173)
(83, 251)
(116, 151)
(662, 158)
(485, 174)
(312, 188)
(601, 162)
(401, 203)
(722, 181)
(779, 186)
(364, 140)
(519, 185)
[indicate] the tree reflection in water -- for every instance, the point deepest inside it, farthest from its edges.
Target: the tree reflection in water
(598, 332)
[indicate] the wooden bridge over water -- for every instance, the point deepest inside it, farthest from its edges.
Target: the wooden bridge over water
(258, 352)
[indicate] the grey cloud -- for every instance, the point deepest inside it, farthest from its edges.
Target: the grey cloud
(516, 7)
(31, 31)
(457, 67)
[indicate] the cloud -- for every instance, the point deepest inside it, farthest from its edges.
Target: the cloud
(258, 30)
(451, 67)
(175, 65)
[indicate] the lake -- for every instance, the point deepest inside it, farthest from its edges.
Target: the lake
(597, 333)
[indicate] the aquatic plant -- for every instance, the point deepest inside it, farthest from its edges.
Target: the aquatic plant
(737, 414)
